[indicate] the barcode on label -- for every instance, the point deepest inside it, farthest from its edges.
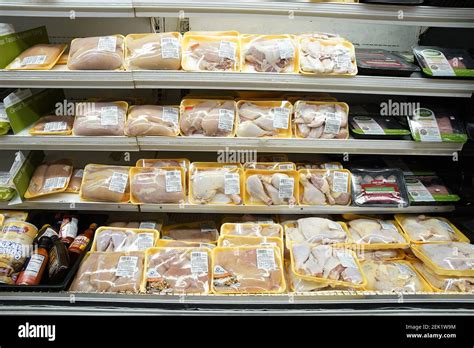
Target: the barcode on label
(33, 60)
(109, 115)
(169, 48)
(286, 188)
(332, 124)
(286, 49)
(127, 266)
(118, 182)
(227, 50)
(173, 181)
(199, 262)
(232, 184)
(145, 241)
(226, 120)
(55, 183)
(340, 182)
(281, 117)
(170, 114)
(55, 126)
(107, 43)
(266, 259)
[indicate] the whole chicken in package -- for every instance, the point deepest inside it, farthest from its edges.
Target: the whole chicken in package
(252, 229)
(154, 51)
(316, 230)
(324, 187)
(269, 53)
(271, 187)
(100, 119)
(112, 239)
(177, 270)
(49, 178)
(38, 57)
(104, 183)
(321, 120)
(207, 117)
(152, 120)
(97, 53)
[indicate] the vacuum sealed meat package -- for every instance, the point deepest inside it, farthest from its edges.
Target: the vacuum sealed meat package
(104, 183)
(97, 53)
(100, 119)
(444, 62)
(155, 120)
(38, 57)
(383, 63)
(157, 185)
(49, 178)
(428, 189)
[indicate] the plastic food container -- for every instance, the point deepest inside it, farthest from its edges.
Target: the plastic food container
(97, 53)
(324, 187)
(38, 57)
(428, 190)
(53, 125)
(380, 255)
(50, 178)
(270, 187)
(113, 239)
(377, 127)
(383, 63)
(444, 62)
(103, 183)
(76, 181)
(200, 232)
(316, 230)
(250, 229)
(270, 165)
(238, 241)
(100, 119)
(156, 120)
(164, 162)
(444, 283)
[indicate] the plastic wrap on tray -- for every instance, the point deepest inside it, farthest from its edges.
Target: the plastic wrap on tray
(149, 224)
(76, 181)
(258, 219)
(428, 189)
(164, 162)
(300, 285)
(112, 239)
(316, 230)
(38, 57)
(97, 53)
(99, 119)
(169, 243)
(270, 165)
(200, 231)
(270, 187)
(157, 185)
(104, 183)
(376, 126)
(380, 255)
(53, 125)
(445, 283)
(444, 62)
(238, 241)
(376, 234)
(324, 187)
(49, 178)
(251, 229)
(152, 120)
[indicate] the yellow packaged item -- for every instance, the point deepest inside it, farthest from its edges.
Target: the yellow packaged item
(264, 118)
(49, 178)
(269, 53)
(211, 53)
(251, 229)
(164, 162)
(409, 256)
(169, 243)
(63, 59)
(270, 187)
(177, 271)
(53, 125)
(212, 33)
(270, 165)
(316, 230)
(100, 119)
(97, 53)
(379, 255)
(238, 241)
(429, 229)
(76, 181)
(113, 239)
(321, 120)
(38, 57)
(199, 232)
(152, 120)
(114, 272)
(13, 216)
(301, 285)
(247, 270)
(2, 221)
(157, 185)
(150, 224)
(324, 187)
(153, 51)
(104, 183)
(207, 117)
(444, 283)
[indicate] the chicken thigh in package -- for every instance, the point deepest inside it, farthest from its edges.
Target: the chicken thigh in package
(49, 178)
(377, 234)
(177, 270)
(152, 120)
(115, 272)
(97, 53)
(252, 229)
(112, 239)
(153, 51)
(316, 230)
(100, 119)
(270, 187)
(198, 232)
(105, 183)
(321, 120)
(38, 57)
(444, 283)
(324, 187)
(207, 117)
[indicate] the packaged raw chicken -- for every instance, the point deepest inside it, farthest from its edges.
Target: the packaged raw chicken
(104, 183)
(444, 283)
(153, 51)
(164, 162)
(393, 276)
(169, 243)
(152, 120)
(424, 189)
(38, 57)
(247, 270)
(447, 259)
(426, 229)
(120, 272)
(298, 284)
(97, 53)
(200, 232)
(321, 120)
(112, 239)
(231, 33)
(215, 185)
(377, 234)
(49, 178)
(157, 185)
(383, 63)
(316, 230)
(269, 53)
(53, 125)
(379, 187)
(252, 229)
(238, 241)
(444, 62)
(150, 224)
(274, 157)
(211, 53)
(270, 187)
(177, 270)
(264, 118)
(270, 165)
(207, 117)
(324, 187)
(318, 165)
(100, 119)
(258, 219)
(380, 255)
(76, 181)
(326, 57)
(335, 266)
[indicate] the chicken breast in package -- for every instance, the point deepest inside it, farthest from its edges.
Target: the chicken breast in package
(97, 53)
(324, 187)
(152, 120)
(426, 229)
(199, 232)
(53, 125)
(207, 117)
(177, 270)
(271, 187)
(49, 178)
(164, 162)
(377, 234)
(211, 53)
(252, 229)
(444, 283)
(247, 269)
(154, 51)
(321, 120)
(238, 241)
(100, 119)
(393, 276)
(113, 239)
(316, 230)
(115, 272)
(38, 57)
(105, 183)
(269, 53)
(157, 185)
(264, 118)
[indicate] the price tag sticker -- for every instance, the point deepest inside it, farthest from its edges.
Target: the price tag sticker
(107, 43)
(118, 182)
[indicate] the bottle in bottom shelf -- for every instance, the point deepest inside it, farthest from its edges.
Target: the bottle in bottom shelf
(58, 264)
(80, 243)
(37, 263)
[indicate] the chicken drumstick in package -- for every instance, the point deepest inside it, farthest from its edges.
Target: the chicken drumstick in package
(322, 187)
(270, 187)
(97, 53)
(104, 183)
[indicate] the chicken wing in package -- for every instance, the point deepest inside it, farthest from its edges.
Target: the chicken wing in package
(252, 229)
(113, 239)
(271, 187)
(247, 270)
(157, 185)
(444, 283)
(50, 178)
(177, 270)
(152, 120)
(377, 234)
(38, 57)
(105, 183)
(199, 232)
(211, 53)
(321, 120)
(316, 230)
(269, 53)
(100, 119)
(324, 187)
(115, 272)
(154, 51)
(53, 125)
(264, 118)
(97, 53)
(207, 117)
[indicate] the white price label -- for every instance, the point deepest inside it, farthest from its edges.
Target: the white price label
(33, 60)
(232, 184)
(147, 224)
(55, 183)
(170, 114)
(16, 97)
(227, 50)
(368, 125)
(286, 49)
(169, 48)
(127, 266)
(145, 241)
(226, 120)
(109, 115)
(199, 262)
(285, 167)
(118, 182)
(286, 188)
(266, 259)
(281, 117)
(340, 182)
(107, 43)
(34, 265)
(55, 126)
(346, 259)
(437, 63)
(173, 181)
(418, 192)
(332, 123)
(343, 61)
